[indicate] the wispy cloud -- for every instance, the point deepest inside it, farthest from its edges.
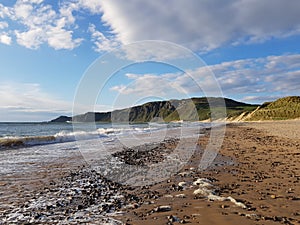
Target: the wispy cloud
(29, 97)
(29, 102)
(101, 42)
(249, 78)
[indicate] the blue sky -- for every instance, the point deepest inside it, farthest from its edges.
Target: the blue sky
(252, 47)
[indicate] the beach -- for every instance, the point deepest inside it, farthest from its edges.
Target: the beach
(254, 180)
(265, 179)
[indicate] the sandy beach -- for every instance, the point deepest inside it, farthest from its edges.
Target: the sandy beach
(256, 181)
(265, 179)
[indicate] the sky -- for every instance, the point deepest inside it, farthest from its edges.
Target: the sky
(249, 48)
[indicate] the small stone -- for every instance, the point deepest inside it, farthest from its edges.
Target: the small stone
(180, 196)
(182, 184)
(273, 196)
(162, 208)
(224, 206)
(168, 196)
(173, 218)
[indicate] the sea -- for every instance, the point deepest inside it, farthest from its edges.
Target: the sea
(24, 147)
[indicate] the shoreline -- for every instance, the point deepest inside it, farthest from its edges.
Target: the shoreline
(265, 178)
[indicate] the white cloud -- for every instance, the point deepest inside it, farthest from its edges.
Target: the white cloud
(272, 76)
(66, 11)
(42, 24)
(29, 97)
(30, 39)
(154, 51)
(5, 11)
(286, 81)
(5, 39)
(202, 25)
(101, 42)
(260, 99)
(3, 25)
(29, 102)
(59, 38)
(279, 62)
(23, 10)
(93, 5)
(147, 85)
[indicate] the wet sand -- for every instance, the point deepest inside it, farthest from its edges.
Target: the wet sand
(258, 167)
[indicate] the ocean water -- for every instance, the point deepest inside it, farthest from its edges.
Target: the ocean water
(24, 147)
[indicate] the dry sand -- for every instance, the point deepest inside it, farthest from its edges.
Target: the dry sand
(266, 179)
(289, 128)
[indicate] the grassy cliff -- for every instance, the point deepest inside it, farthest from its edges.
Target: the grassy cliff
(196, 109)
(281, 109)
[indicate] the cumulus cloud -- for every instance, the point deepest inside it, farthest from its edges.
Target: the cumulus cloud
(60, 38)
(41, 24)
(273, 76)
(5, 39)
(93, 6)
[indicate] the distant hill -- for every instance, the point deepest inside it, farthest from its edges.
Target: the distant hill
(281, 109)
(168, 110)
(62, 119)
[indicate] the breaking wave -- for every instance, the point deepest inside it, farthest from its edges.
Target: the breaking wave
(64, 136)
(85, 133)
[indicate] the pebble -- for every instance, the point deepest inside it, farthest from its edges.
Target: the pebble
(182, 184)
(183, 174)
(162, 208)
(180, 196)
(172, 218)
(224, 206)
(83, 196)
(168, 196)
(273, 196)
